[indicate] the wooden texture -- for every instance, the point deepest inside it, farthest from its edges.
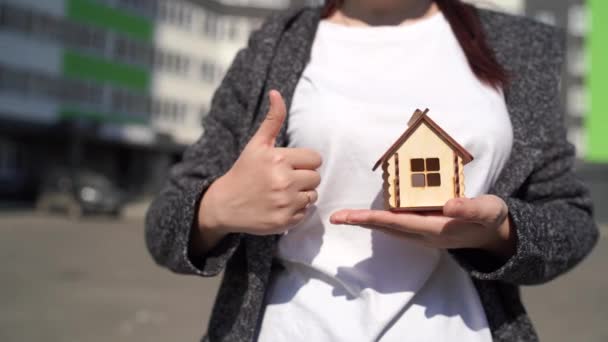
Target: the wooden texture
(416, 116)
(456, 176)
(421, 119)
(397, 180)
(423, 140)
(389, 176)
(414, 209)
(460, 177)
(424, 143)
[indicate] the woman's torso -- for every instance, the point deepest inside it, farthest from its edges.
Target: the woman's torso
(353, 100)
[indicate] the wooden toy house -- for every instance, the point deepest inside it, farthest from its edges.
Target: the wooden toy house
(423, 169)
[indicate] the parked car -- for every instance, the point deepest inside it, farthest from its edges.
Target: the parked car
(79, 193)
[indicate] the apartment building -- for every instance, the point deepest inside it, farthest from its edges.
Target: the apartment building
(117, 86)
(120, 86)
(571, 16)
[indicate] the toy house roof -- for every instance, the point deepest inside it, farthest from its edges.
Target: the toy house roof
(417, 119)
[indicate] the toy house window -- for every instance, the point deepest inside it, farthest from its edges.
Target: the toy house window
(425, 172)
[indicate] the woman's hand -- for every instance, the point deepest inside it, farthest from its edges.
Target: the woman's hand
(267, 189)
(481, 223)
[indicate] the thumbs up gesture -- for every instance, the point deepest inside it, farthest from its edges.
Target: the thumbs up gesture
(268, 189)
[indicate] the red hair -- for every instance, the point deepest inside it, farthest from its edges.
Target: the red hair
(467, 28)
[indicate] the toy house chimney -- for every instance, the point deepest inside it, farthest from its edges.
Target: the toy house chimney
(417, 114)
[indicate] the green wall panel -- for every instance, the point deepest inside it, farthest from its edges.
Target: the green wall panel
(93, 12)
(71, 113)
(597, 118)
(87, 67)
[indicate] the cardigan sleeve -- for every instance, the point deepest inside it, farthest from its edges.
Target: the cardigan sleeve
(173, 214)
(551, 213)
(553, 223)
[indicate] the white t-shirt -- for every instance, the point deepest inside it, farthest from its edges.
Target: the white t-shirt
(354, 99)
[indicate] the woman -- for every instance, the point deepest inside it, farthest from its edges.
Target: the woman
(287, 204)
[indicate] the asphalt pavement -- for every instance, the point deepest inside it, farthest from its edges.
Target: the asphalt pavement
(92, 280)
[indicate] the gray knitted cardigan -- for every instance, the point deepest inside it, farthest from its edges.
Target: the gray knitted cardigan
(549, 207)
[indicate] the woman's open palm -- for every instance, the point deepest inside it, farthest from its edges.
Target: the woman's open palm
(482, 222)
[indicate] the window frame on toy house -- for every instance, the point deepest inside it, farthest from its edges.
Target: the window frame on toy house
(429, 169)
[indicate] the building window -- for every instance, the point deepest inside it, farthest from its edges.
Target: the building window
(577, 61)
(233, 29)
(186, 18)
(34, 84)
(577, 100)
(3, 17)
(143, 6)
(164, 10)
(133, 52)
(210, 26)
(210, 72)
(8, 159)
(171, 62)
(425, 172)
(52, 28)
(90, 94)
(546, 17)
(169, 112)
(577, 20)
(130, 103)
(176, 13)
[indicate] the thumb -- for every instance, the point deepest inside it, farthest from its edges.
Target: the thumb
(271, 126)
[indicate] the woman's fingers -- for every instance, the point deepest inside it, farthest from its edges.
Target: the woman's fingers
(300, 158)
(306, 179)
(297, 216)
(488, 210)
(406, 222)
(305, 199)
(465, 223)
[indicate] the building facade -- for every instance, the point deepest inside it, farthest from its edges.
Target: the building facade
(120, 86)
(585, 70)
(117, 86)
(571, 16)
(509, 6)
